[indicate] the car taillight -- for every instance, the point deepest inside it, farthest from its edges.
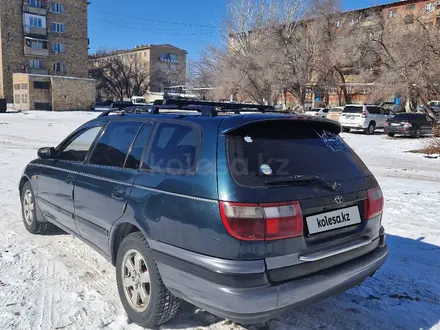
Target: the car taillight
(316, 114)
(364, 114)
(407, 125)
(259, 222)
(373, 205)
(386, 124)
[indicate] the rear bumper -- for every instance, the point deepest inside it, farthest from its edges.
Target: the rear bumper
(353, 125)
(399, 130)
(254, 304)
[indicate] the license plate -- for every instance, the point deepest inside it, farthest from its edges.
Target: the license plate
(395, 124)
(333, 220)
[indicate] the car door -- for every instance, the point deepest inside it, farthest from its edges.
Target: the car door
(104, 182)
(57, 177)
(430, 123)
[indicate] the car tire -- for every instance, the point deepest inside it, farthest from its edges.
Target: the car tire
(391, 134)
(346, 130)
(418, 133)
(154, 304)
(370, 129)
(29, 211)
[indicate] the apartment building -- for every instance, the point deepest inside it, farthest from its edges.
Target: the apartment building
(165, 64)
(42, 37)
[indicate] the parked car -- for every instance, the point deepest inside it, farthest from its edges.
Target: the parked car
(121, 105)
(410, 124)
(150, 193)
(334, 113)
(317, 112)
(364, 117)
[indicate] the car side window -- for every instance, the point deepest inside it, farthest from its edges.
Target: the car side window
(173, 149)
(373, 110)
(325, 110)
(76, 150)
(114, 144)
(384, 112)
(134, 157)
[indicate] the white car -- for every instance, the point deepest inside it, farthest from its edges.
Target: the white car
(364, 117)
(318, 112)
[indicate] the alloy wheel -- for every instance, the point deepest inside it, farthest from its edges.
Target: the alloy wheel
(136, 280)
(28, 207)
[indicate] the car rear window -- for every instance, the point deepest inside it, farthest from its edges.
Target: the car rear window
(352, 109)
(264, 150)
(407, 116)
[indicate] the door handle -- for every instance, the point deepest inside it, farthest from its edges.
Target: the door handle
(69, 179)
(118, 193)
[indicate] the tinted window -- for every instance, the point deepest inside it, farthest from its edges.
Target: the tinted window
(408, 117)
(325, 110)
(373, 110)
(352, 109)
(78, 147)
(135, 156)
(174, 149)
(114, 144)
(284, 149)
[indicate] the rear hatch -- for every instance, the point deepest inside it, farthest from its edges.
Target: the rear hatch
(279, 163)
(351, 114)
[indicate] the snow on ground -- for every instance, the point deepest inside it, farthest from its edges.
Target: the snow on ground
(57, 282)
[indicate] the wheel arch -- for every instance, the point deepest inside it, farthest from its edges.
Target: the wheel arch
(23, 180)
(120, 231)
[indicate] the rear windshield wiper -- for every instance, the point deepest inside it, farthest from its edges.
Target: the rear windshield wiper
(333, 185)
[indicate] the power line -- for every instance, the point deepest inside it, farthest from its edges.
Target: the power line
(157, 21)
(156, 31)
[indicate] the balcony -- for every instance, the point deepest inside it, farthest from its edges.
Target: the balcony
(38, 71)
(36, 51)
(42, 10)
(35, 31)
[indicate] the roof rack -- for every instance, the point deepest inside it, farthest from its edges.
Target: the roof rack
(206, 109)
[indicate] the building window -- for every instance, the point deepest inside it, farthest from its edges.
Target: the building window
(56, 7)
(24, 86)
(338, 24)
(430, 7)
(17, 87)
(168, 57)
(41, 84)
(24, 98)
(58, 47)
(409, 19)
(411, 6)
(17, 99)
(36, 64)
(34, 3)
(58, 27)
(392, 13)
(35, 21)
(36, 44)
(58, 67)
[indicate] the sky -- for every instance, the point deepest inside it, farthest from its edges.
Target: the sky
(187, 24)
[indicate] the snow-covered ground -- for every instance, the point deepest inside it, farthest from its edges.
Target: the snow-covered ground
(57, 282)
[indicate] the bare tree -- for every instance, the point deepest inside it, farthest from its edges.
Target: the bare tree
(409, 52)
(121, 77)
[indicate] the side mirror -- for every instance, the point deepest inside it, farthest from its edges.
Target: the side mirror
(46, 153)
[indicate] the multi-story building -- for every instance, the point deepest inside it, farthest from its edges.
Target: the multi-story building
(164, 64)
(42, 37)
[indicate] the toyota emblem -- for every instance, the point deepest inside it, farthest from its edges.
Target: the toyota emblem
(339, 199)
